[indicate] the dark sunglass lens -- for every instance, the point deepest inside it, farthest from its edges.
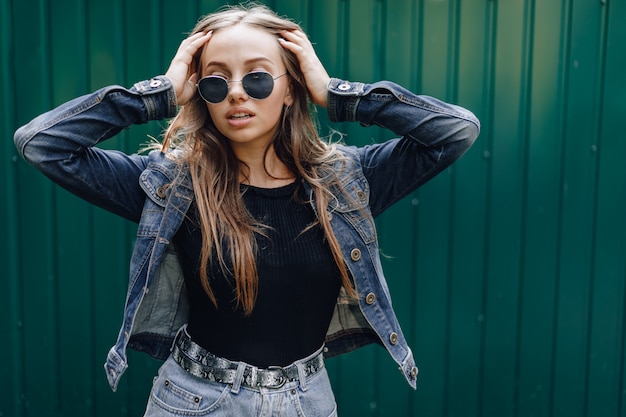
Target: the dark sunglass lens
(258, 85)
(213, 89)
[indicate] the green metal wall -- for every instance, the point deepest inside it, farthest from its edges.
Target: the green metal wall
(508, 270)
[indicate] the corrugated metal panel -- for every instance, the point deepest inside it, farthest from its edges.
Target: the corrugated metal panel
(10, 295)
(507, 270)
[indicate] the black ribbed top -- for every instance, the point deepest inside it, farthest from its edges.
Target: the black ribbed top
(298, 285)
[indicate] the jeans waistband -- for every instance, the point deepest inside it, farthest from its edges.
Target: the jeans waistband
(203, 364)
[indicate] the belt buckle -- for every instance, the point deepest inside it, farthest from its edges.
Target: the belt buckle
(283, 377)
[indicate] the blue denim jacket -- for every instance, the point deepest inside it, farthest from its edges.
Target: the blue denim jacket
(156, 192)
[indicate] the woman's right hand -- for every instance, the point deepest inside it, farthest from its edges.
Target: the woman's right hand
(178, 72)
(314, 72)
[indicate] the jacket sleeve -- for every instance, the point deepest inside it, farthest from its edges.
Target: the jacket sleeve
(62, 143)
(433, 134)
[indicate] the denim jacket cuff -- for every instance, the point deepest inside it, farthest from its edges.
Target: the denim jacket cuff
(158, 96)
(343, 99)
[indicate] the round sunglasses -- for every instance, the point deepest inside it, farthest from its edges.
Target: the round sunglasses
(258, 85)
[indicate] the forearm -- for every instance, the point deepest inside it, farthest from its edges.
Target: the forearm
(61, 143)
(434, 135)
(424, 119)
(88, 120)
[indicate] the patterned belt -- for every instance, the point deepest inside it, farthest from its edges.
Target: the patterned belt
(203, 364)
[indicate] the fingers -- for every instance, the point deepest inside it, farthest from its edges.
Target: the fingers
(190, 46)
(299, 43)
(296, 36)
(179, 69)
(314, 72)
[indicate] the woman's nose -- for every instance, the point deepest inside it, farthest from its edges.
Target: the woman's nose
(236, 90)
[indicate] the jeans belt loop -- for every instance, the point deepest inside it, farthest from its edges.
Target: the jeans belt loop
(177, 337)
(301, 376)
(238, 378)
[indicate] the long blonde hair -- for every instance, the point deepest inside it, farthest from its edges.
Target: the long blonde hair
(215, 170)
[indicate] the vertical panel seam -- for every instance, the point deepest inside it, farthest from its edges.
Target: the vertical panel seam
(451, 81)
(414, 83)
(51, 236)
(601, 67)
(92, 345)
(343, 17)
(490, 43)
(566, 35)
(16, 291)
(525, 103)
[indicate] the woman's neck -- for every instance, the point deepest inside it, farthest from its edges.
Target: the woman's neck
(264, 169)
(265, 180)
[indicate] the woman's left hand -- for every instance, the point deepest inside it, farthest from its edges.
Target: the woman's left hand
(179, 70)
(314, 72)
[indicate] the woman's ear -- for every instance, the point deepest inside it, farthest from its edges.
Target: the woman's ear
(288, 97)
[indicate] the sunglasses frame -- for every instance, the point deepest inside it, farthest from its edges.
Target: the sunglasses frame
(228, 82)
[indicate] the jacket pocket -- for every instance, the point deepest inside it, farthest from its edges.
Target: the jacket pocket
(351, 202)
(156, 184)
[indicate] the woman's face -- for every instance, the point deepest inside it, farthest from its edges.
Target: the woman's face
(231, 53)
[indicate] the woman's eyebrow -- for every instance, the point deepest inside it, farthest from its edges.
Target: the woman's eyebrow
(246, 62)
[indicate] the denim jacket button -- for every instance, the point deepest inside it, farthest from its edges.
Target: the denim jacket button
(355, 254)
(161, 192)
(393, 338)
(413, 373)
(154, 83)
(344, 87)
(370, 298)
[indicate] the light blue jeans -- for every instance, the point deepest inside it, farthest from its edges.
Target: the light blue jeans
(175, 392)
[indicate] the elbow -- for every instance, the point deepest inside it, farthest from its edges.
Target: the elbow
(473, 130)
(32, 144)
(28, 141)
(19, 140)
(466, 132)
(471, 123)
(27, 145)
(475, 126)
(470, 127)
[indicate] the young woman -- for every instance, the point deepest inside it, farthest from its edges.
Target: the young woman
(256, 252)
